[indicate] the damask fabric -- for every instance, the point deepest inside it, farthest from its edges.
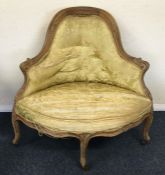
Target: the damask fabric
(83, 49)
(83, 107)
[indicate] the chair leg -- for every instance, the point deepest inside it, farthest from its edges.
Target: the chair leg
(16, 128)
(146, 129)
(84, 140)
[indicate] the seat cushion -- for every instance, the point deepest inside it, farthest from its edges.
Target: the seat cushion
(83, 107)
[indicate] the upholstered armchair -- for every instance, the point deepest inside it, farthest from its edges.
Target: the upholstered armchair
(82, 83)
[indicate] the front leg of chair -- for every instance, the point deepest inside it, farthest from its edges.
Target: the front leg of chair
(84, 140)
(146, 129)
(16, 128)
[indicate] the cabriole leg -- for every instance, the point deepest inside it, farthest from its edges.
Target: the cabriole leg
(16, 128)
(146, 129)
(84, 140)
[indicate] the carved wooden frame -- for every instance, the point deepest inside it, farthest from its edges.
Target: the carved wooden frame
(84, 138)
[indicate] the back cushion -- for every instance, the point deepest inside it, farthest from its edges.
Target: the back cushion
(83, 49)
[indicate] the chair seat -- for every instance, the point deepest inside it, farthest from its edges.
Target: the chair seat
(83, 107)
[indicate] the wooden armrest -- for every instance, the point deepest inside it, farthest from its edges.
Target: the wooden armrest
(144, 65)
(26, 64)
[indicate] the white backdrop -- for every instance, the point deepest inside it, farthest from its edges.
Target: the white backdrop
(23, 24)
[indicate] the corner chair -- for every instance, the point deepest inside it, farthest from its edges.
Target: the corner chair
(82, 83)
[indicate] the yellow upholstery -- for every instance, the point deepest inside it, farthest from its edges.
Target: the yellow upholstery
(83, 49)
(82, 84)
(81, 107)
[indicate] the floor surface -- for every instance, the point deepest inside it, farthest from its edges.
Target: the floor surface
(120, 155)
